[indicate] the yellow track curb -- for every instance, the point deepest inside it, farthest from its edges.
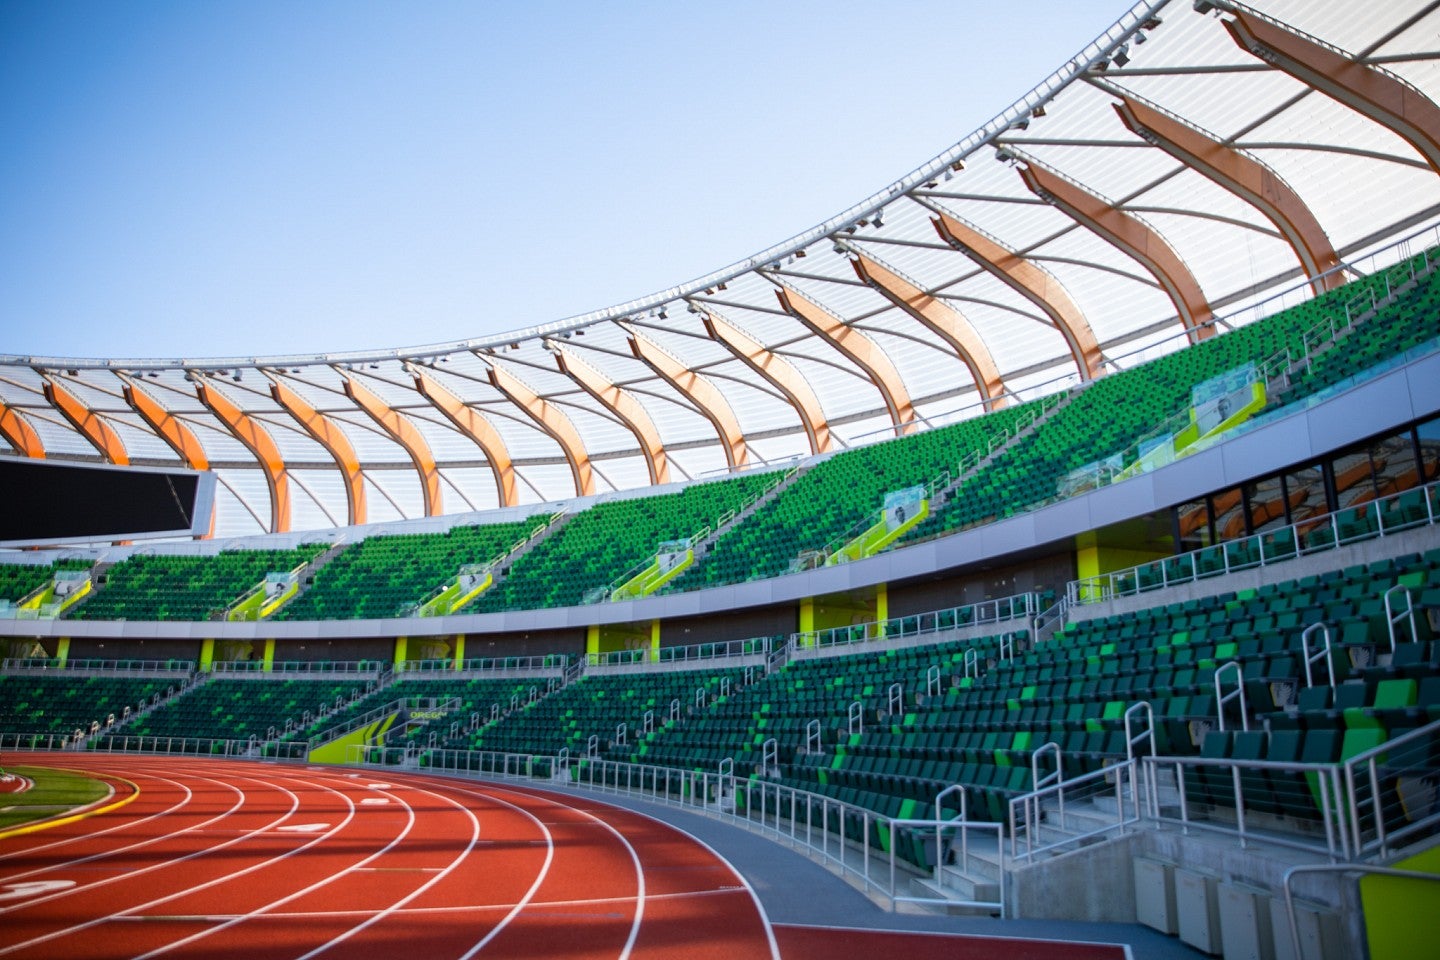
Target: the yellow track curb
(39, 825)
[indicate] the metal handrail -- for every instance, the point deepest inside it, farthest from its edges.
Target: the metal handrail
(1156, 575)
(1370, 868)
(845, 837)
(1327, 787)
(1004, 609)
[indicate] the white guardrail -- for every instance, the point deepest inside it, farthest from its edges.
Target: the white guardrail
(1409, 510)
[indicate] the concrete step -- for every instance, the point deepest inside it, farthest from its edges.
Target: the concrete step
(960, 889)
(979, 860)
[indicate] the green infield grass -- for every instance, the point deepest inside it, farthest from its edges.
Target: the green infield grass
(55, 793)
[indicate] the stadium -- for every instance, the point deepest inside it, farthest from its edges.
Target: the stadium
(1034, 559)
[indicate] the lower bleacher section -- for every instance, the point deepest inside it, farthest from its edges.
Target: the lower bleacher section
(61, 703)
(1256, 703)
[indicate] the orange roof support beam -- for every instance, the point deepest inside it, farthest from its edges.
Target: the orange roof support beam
(481, 432)
(939, 318)
(255, 438)
(91, 426)
(19, 434)
(405, 433)
(778, 372)
(1376, 93)
(1247, 178)
(551, 419)
(706, 397)
(1133, 237)
(622, 406)
(328, 434)
(176, 435)
(1032, 283)
(172, 430)
(865, 353)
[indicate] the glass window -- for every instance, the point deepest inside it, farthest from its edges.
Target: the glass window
(1428, 435)
(1265, 503)
(1392, 464)
(1192, 521)
(1228, 510)
(1305, 493)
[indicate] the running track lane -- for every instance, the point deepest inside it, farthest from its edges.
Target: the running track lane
(227, 859)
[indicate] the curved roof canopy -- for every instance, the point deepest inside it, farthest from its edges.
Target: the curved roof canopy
(1192, 161)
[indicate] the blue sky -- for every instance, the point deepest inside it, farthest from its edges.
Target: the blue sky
(239, 179)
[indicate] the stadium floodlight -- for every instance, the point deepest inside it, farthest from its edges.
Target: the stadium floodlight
(1122, 55)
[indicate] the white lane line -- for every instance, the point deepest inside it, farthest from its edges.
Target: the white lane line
(32, 888)
(350, 815)
(29, 852)
(639, 898)
(264, 908)
(754, 897)
(441, 875)
(544, 871)
(295, 800)
(309, 915)
(740, 877)
(72, 864)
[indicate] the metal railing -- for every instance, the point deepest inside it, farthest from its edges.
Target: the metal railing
(113, 668)
(1367, 806)
(544, 664)
(1022, 606)
(298, 669)
(1295, 805)
(740, 650)
(852, 841)
(194, 746)
(1408, 510)
(1389, 792)
(1039, 822)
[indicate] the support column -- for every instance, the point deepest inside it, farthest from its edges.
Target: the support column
(328, 434)
(807, 621)
(654, 641)
(866, 354)
(255, 438)
(1377, 94)
(552, 421)
(459, 651)
(621, 405)
(267, 656)
(87, 422)
(19, 434)
(709, 402)
(1034, 284)
(207, 655)
(775, 370)
(62, 650)
(404, 433)
(401, 645)
(1133, 237)
(940, 318)
(1247, 178)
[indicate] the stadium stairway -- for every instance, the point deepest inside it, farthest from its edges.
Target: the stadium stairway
(1011, 437)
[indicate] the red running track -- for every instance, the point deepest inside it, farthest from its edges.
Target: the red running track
(218, 859)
